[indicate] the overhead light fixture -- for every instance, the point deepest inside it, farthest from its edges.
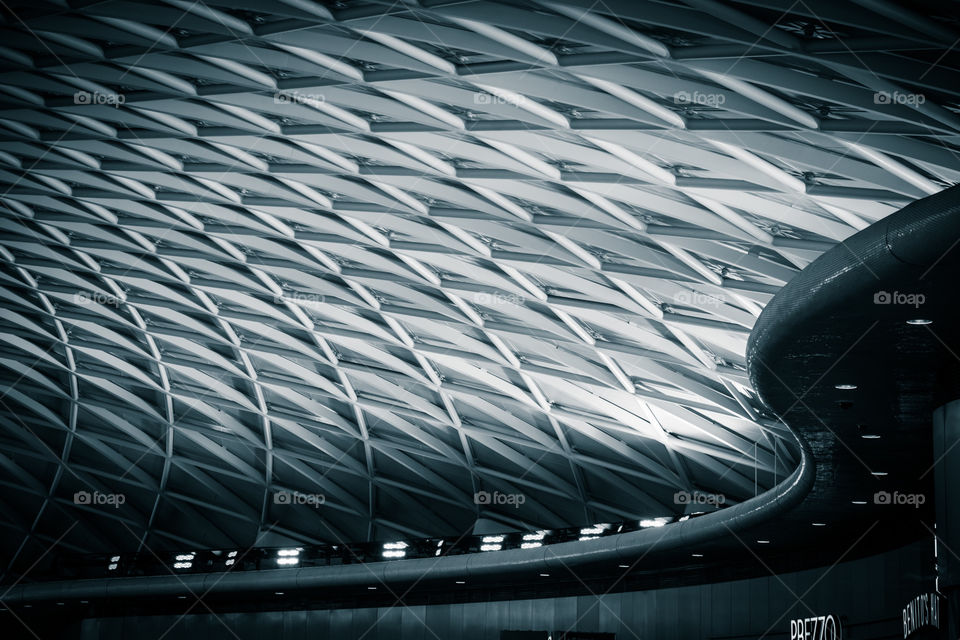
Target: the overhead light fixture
(763, 542)
(591, 533)
(919, 321)
(819, 524)
(544, 575)
(654, 522)
(461, 582)
(878, 473)
(623, 566)
(182, 565)
(870, 436)
(858, 501)
(533, 540)
(697, 555)
(845, 387)
(283, 553)
(394, 550)
(492, 543)
(288, 561)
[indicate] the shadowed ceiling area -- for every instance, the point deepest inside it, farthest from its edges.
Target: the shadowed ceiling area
(327, 272)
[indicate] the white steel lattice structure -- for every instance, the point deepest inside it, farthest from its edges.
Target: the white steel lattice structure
(398, 253)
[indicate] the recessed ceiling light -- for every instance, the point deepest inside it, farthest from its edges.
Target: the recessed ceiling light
(870, 436)
(859, 501)
(878, 473)
(697, 555)
(763, 542)
(919, 321)
(181, 597)
(624, 566)
(372, 588)
(819, 524)
(845, 387)
(461, 582)
(544, 575)
(278, 593)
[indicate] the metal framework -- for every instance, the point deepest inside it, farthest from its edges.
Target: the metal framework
(400, 254)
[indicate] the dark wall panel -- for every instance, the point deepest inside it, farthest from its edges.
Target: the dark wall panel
(868, 593)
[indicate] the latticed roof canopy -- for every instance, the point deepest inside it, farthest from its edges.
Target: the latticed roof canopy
(399, 254)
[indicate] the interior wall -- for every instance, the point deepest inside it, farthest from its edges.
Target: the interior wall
(867, 595)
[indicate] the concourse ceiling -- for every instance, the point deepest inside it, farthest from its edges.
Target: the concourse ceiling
(398, 254)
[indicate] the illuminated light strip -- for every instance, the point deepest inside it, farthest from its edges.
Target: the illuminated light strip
(307, 192)
(637, 297)
(733, 218)
(791, 182)
(610, 27)
(692, 262)
(409, 50)
(523, 102)
(427, 108)
(334, 64)
(574, 326)
(564, 241)
(884, 161)
(656, 171)
(420, 155)
(639, 101)
(524, 282)
(508, 39)
(501, 201)
(617, 372)
(848, 217)
(401, 196)
(608, 206)
(526, 158)
(326, 154)
(536, 391)
(691, 346)
(760, 96)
